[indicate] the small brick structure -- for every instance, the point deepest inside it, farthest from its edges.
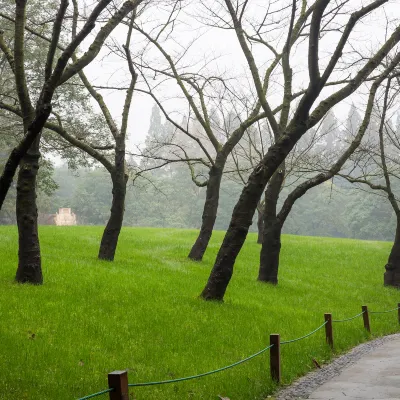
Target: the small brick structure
(65, 217)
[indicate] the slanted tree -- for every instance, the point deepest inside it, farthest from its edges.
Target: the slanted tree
(317, 18)
(270, 252)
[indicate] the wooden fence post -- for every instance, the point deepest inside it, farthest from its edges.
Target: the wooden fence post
(275, 357)
(118, 380)
(398, 312)
(366, 318)
(329, 329)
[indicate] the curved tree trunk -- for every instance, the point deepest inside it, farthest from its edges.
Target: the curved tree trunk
(392, 274)
(112, 230)
(210, 210)
(29, 260)
(271, 247)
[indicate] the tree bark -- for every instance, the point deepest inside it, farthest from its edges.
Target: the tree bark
(109, 241)
(270, 252)
(29, 260)
(210, 210)
(392, 274)
(271, 246)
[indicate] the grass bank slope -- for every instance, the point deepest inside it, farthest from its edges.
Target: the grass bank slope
(142, 313)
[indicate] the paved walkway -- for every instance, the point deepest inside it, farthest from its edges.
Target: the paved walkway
(376, 375)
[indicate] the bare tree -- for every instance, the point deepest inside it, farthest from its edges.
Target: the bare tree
(118, 169)
(204, 93)
(273, 223)
(319, 17)
(377, 166)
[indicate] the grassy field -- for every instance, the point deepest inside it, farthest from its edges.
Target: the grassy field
(142, 313)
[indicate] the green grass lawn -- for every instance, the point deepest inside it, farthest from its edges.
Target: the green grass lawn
(142, 313)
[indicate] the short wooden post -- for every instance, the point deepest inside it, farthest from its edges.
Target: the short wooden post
(275, 357)
(118, 380)
(366, 318)
(398, 312)
(329, 329)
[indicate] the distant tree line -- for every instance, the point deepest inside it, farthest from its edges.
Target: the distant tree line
(333, 209)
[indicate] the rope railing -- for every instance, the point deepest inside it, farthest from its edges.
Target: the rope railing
(203, 374)
(349, 319)
(223, 368)
(118, 380)
(90, 396)
(305, 336)
(384, 312)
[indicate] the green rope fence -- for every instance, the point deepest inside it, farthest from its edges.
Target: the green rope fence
(203, 374)
(326, 324)
(305, 336)
(348, 319)
(97, 394)
(186, 378)
(384, 312)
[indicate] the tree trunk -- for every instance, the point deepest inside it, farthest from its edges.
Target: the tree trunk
(29, 260)
(260, 223)
(234, 238)
(112, 230)
(243, 214)
(210, 210)
(270, 251)
(392, 274)
(271, 247)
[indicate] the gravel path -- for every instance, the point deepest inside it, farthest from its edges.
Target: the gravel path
(303, 387)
